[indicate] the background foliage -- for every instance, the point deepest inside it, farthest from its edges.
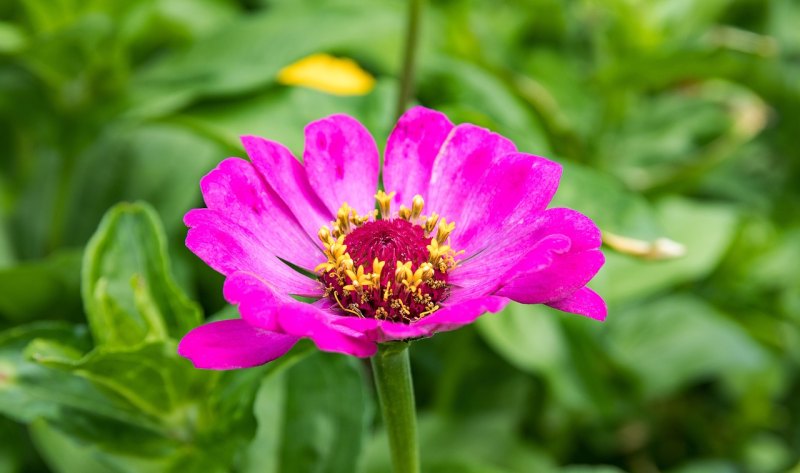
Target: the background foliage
(672, 117)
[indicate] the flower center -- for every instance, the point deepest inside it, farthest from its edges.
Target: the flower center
(412, 245)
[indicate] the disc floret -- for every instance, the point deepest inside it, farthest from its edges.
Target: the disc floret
(359, 248)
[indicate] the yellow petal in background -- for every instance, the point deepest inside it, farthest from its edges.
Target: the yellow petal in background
(339, 76)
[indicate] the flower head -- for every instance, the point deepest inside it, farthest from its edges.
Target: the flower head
(460, 228)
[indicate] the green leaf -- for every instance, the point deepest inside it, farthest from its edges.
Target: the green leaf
(312, 417)
(675, 341)
(249, 53)
(29, 390)
(534, 339)
(42, 289)
(129, 294)
(625, 278)
(151, 377)
(281, 114)
(605, 200)
(467, 92)
(159, 163)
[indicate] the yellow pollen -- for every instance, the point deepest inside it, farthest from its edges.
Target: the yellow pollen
(404, 213)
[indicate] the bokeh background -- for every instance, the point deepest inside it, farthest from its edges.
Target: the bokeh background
(674, 119)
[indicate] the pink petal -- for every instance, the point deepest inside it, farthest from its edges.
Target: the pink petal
(483, 272)
(544, 275)
(341, 160)
(451, 316)
(232, 344)
(236, 191)
(287, 177)
(565, 275)
(516, 185)
(459, 168)
(262, 306)
(455, 315)
(411, 150)
(584, 301)
(228, 247)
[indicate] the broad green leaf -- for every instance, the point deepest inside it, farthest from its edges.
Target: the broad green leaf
(42, 289)
(606, 201)
(591, 469)
(678, 340)
(129, 294)
(708, 466)
(63, 453)
(159, 163)
(705, 229)
(151, 377)
(29, 390)
(470, 93)
(282, 113)
(534, 339)
(312, 417)
(249, 53)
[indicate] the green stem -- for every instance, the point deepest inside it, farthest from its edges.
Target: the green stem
(392, 373)
(409, 56)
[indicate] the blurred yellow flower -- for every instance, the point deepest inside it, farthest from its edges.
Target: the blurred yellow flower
(339, 76)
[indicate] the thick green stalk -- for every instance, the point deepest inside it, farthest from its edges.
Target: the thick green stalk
(409, 56)
(392, 373)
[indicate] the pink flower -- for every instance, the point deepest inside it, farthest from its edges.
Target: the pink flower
(476, 234)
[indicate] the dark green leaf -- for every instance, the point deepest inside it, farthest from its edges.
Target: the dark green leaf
(313, 417)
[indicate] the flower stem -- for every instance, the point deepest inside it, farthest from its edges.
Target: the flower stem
(409, 56)
(392, 373)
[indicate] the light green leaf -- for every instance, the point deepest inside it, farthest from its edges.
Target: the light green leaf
(678, 340)
(249, 53)
(129, 294)
(606, 201)
(281, 114)
(29, 390)
(706, 230)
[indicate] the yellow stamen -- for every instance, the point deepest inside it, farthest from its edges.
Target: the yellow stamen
(416, 207)
(403, 271)
(404, 213)
(431, 222)
(377, 268)
(428, 312)
(444, 230)
(343, 219)
(384, 203)
(324, 235)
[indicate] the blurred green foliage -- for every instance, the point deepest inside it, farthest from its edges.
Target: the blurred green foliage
(673, 118)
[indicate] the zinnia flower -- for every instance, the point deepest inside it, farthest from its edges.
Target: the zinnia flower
(460, 228)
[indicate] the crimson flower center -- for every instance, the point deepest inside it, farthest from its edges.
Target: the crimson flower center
(391, 268)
